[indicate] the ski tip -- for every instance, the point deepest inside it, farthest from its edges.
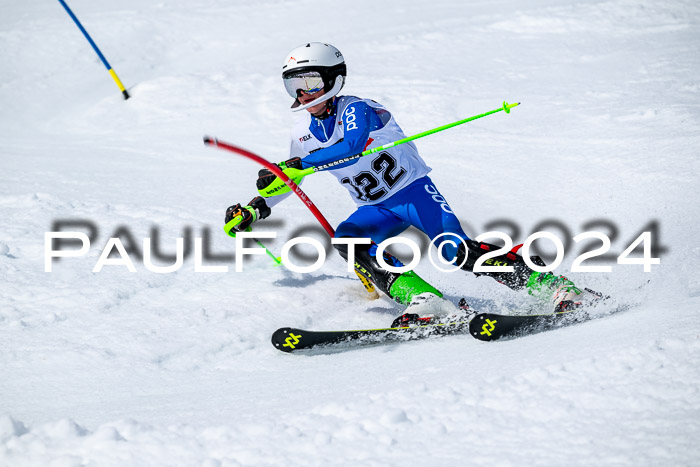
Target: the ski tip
(481, 327)
(285, 340)
(209, 140)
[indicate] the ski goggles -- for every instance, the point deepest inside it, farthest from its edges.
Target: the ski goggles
(309, 82)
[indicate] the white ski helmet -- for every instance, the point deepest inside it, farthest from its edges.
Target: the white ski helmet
(312, 67)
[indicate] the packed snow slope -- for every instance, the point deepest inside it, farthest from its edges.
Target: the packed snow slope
(122, 368)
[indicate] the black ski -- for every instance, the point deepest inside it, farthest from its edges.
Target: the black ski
(292, 339)
(492, 326)
(483, 326)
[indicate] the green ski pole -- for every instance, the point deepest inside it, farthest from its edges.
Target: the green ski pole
(279, 187)
(276, 259)
(235, 221)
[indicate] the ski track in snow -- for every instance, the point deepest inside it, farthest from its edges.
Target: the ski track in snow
(119, 368)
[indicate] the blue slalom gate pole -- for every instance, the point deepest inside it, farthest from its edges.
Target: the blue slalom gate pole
(97, 50)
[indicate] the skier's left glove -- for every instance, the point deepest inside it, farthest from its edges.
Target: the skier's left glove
(256, 209)
(266, 177)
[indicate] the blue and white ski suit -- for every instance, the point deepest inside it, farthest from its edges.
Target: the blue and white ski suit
(391, 188)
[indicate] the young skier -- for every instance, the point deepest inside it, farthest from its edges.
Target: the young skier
(391, 189)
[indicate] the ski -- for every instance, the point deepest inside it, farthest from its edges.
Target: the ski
(492, 326)
(482, 326)
(293, 339)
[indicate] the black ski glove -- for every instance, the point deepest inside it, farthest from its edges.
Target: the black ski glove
(265, 177)
(256, 209)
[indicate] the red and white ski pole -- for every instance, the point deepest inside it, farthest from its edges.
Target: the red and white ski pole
(211, 141)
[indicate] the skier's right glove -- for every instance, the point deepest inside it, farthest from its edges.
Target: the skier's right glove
(256, 209)
(266, 177)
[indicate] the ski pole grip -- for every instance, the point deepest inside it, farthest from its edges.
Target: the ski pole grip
(507, 106)
(228, 227)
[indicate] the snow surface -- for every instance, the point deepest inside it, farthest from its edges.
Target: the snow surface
(120, 368)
